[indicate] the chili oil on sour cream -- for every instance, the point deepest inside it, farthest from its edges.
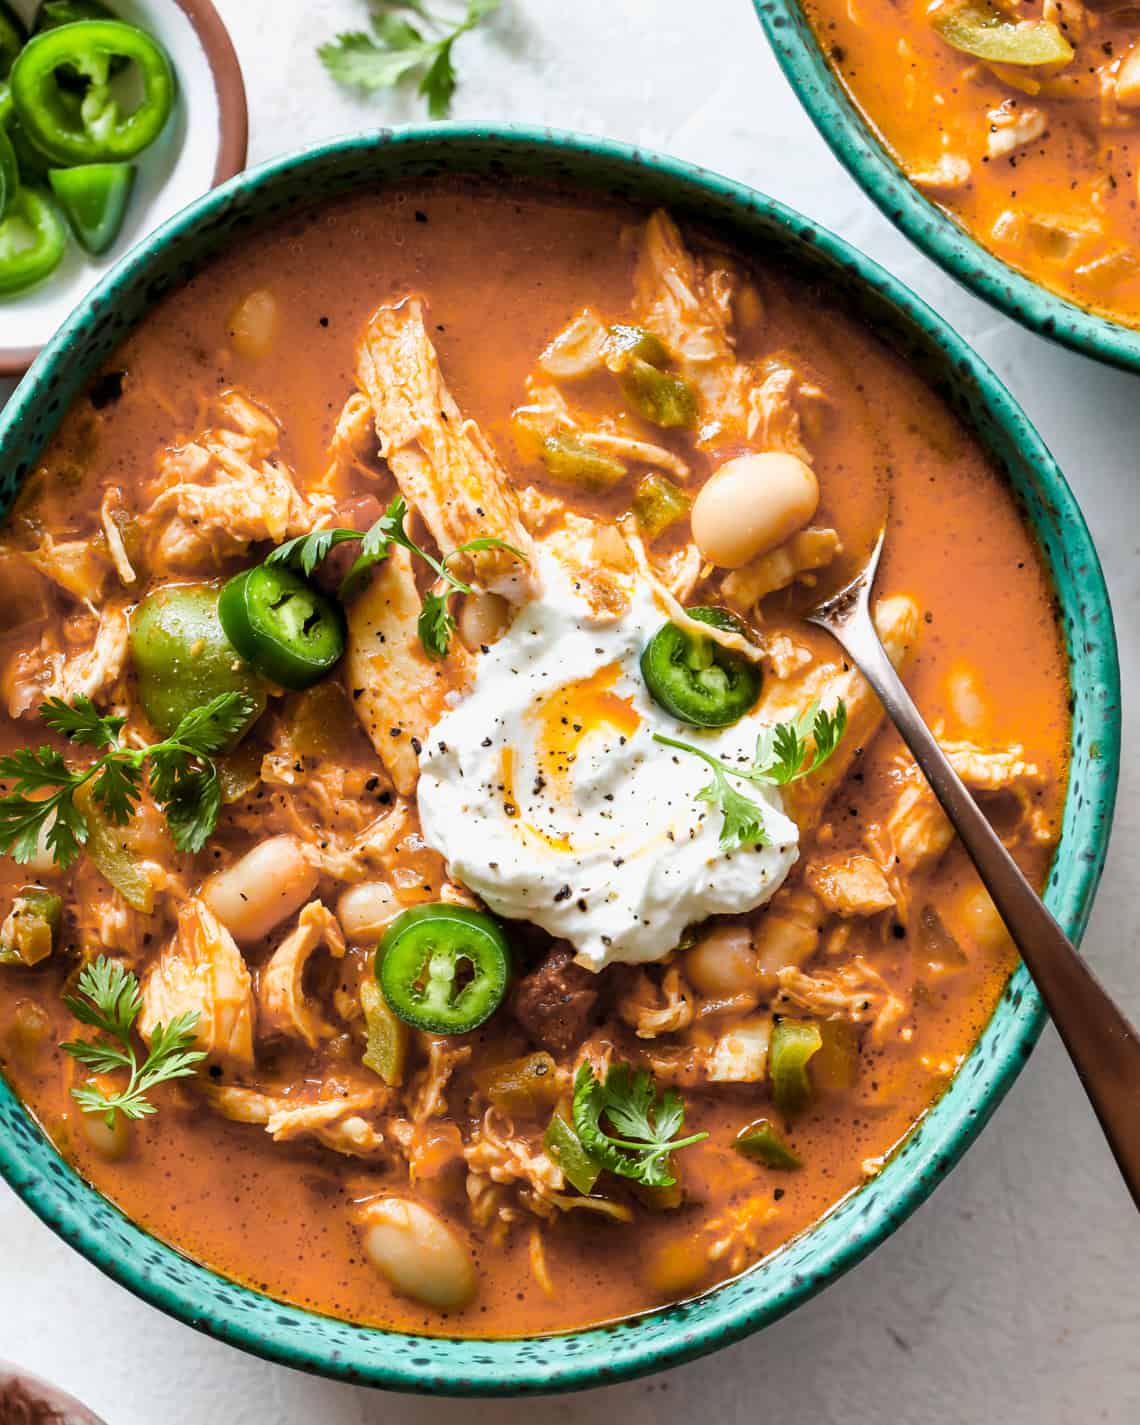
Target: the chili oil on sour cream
(547, 795)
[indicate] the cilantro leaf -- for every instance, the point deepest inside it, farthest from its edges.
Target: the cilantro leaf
(109, 1000)
(182, 778)
(435, 624)
(782, 750)
(782, 756)
(308, 550)
(647, 1127)
(81, 722)
(397, 50)
(206, 731)
(743, 818)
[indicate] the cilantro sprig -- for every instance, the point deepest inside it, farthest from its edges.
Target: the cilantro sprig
(647, 1125)
(435, 623)
(784, 754)
(182, 777)
(110, 1000)
(397, 50)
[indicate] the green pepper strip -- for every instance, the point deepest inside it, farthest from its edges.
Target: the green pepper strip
(443, 968)
(763, 1144)
(979, 29)
(33, 239)
(793, 1044)
(92, 128)
(565, 1147)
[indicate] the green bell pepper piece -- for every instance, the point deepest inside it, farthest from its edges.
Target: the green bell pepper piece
(94, 198)
(565, 1147)
(792, 1045)
(91, 127)
(29, 933)
(760, 1142)
(977, 28)
(116, 853)
(33, 239)
(386, 1051)
(657, 504)
(664, 400)
(573, 462)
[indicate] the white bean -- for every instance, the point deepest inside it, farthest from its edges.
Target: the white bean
(112, 1143)
(419, 1255)
(751, 505)
(483, 620)
(365, 909)
(723, 963)
(261, 889)
(253, 323)
(980, 919)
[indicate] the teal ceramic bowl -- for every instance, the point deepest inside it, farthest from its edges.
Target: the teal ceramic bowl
(661, 1338)
(855, 144)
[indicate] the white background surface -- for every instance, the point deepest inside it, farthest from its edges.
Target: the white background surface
(1014, 1294)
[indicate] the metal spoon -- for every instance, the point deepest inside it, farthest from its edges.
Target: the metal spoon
(1102, 1044)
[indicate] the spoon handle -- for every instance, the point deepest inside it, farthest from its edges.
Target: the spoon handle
(1102, 1044)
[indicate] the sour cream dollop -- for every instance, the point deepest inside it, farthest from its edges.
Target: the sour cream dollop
(546, 794)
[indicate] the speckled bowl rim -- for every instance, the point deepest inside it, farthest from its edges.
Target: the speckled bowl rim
(663, 1338)
(233, 128)
(855, 143)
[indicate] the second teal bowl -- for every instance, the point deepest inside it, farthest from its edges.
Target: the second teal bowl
(772, 233)
(855, 144)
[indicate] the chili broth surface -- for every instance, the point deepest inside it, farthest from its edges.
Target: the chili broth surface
(501, 273)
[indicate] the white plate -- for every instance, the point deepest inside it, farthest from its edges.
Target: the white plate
(203, 144)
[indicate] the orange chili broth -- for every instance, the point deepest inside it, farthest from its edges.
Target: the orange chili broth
(934, 93)
(502, 272)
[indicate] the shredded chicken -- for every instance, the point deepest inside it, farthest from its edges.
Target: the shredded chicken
(1012, 126)
(773, 414)
(283, 1004)
(740, 1054)
(398, 692)
(916, 831)
(857, 992)
(79, 566)
(443, 463)
(112, 514)
(950, 172)
(850, 885)
(827, 680)
(221, 492)
(651, 1009)
(495, 1152)
(578, 349)
(342, 1123)
(428, 1090)
(798, 558)
(48, 671)
(690, 311)
(201, 971)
